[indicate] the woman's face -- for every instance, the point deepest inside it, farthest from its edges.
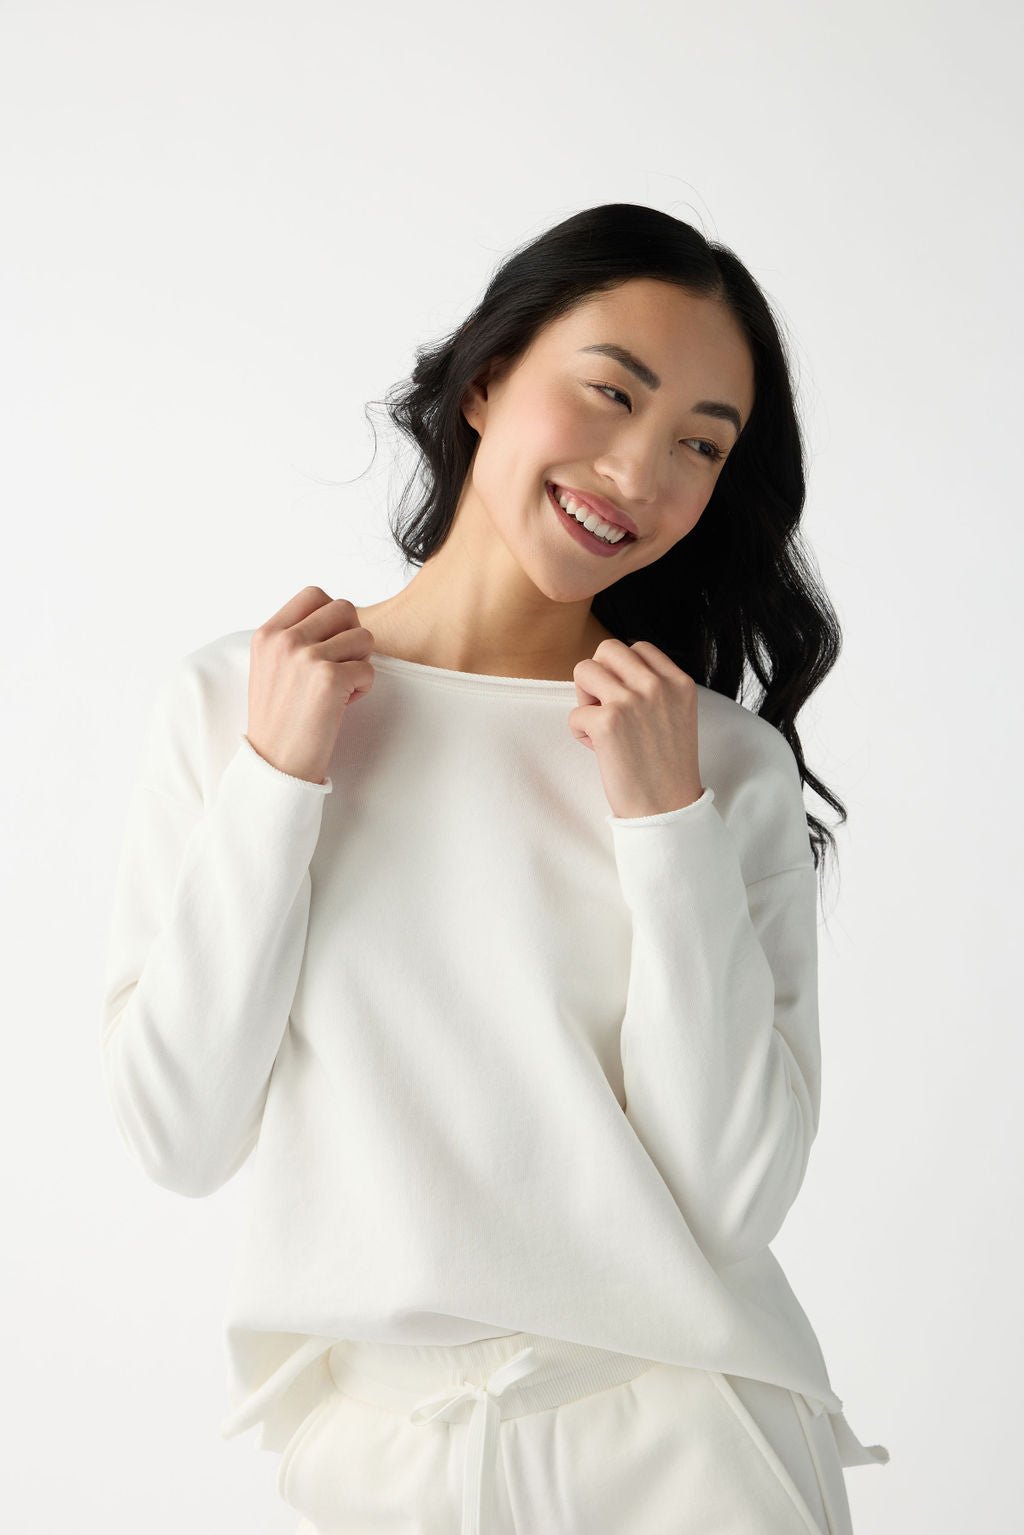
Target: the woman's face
(571, 415)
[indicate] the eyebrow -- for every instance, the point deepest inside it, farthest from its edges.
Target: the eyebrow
(646, 375)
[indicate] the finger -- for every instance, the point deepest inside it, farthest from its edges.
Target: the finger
(629, 663)
(657, 660)
(297, 608)
(584, 695)
(608, 674)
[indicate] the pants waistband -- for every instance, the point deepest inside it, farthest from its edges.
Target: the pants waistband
(479, 1383)
(396, 1375)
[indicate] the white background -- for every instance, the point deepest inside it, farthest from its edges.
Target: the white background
(225, 228)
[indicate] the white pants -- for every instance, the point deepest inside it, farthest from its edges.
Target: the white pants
(525, 1435)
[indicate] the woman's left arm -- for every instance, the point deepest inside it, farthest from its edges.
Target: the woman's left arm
(720, 1049)
(720, 1042)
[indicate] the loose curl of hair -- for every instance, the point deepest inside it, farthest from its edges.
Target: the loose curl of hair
(740, 589)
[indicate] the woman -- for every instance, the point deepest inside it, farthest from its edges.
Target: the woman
(508, 977)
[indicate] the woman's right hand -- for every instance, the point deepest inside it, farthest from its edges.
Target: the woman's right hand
(306, 665)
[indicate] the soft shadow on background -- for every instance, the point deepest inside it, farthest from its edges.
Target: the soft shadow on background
(226, 229)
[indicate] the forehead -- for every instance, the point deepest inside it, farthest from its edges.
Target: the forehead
(680, 334)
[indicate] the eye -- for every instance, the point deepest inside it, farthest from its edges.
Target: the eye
(714, 452)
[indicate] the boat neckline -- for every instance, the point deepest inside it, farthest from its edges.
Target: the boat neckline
(443, 674)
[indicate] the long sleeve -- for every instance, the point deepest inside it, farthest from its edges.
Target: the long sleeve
(206, 943)
(720, 1042)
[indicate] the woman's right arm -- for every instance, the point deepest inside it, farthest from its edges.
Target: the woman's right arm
(206, 942)
(212, 894)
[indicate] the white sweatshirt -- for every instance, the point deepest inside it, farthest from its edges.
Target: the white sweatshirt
(502, 1060)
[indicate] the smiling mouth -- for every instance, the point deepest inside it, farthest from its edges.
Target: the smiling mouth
(554, 491)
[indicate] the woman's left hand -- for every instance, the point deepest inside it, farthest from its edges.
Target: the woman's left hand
(638, 712)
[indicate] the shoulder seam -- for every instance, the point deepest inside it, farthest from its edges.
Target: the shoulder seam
(795, 868)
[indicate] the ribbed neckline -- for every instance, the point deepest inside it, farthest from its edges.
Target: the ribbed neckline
(475, 682)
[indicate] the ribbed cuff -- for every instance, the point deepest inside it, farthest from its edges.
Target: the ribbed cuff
(306, 783)
(666, 816)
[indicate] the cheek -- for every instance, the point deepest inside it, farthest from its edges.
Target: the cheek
(684, 522)
(677, 524)
(541, 433)
(554, 420)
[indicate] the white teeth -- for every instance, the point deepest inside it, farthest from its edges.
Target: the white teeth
(590, 520)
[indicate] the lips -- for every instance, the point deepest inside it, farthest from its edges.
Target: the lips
(599, 506)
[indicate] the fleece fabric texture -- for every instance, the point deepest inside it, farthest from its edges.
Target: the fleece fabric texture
(493, 1059)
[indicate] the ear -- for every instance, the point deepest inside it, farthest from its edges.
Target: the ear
(474, 405)
(474, 401)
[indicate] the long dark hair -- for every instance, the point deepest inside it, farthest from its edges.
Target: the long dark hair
(740, 589)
